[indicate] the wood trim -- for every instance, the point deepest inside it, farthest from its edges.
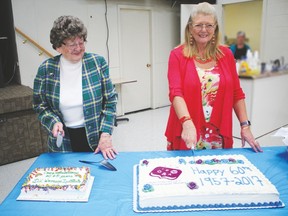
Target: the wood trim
(42, 49)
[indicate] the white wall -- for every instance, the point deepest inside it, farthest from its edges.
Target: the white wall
(274, 30)
(35, 18)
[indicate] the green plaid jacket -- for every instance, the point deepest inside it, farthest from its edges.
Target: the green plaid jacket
(99, 99)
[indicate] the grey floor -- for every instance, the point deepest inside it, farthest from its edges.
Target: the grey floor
(144, 132)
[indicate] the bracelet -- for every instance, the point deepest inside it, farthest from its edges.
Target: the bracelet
(245, 123)
(184, 119)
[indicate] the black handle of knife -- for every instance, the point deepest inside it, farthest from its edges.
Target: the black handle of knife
(88, 162)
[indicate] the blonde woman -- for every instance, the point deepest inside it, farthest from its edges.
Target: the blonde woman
(204, 89)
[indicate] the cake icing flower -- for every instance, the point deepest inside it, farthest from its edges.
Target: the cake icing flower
(145, 162)
(182, 161)
(148, 188)
(217, 161)
(192, 185)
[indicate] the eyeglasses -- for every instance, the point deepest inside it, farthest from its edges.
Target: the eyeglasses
(199, 27)
(73, 46)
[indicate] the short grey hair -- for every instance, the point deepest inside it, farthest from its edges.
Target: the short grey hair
(66, 27)
(241, 33)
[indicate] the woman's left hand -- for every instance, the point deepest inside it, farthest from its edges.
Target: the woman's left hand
(106, 147)
(247, 136)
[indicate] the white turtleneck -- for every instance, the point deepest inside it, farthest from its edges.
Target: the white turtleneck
(71, 101)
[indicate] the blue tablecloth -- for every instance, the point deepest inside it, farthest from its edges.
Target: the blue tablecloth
(112, 191)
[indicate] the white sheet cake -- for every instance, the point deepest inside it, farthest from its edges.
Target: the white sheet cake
(58, 184)
(208, 182)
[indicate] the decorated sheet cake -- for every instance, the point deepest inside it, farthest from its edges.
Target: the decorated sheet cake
(201, 183)
(58, 184)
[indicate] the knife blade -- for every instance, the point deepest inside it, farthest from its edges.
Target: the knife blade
(104, 163)
(108, 165)
(59, 139)
(193, 152)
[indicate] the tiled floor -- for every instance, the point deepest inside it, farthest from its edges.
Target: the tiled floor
(144, 132)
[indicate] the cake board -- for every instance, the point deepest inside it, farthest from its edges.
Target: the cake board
(138, 209)
(47, 197)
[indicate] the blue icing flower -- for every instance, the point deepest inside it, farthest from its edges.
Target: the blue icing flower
(182, 161)
(209, 162)
(148, 188)
(224, 161)
(192, 162)
(240, 161)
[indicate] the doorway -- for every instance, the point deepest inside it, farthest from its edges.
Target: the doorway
(135, 57)
(243, 16)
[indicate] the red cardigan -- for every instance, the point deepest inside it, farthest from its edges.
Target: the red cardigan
(184, 82)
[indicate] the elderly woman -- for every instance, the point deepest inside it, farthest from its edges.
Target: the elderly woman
(204, 89)
(73, 94)
(240, 49)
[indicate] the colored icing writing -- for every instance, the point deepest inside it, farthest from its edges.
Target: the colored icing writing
(216, 172)
(239, 170)
(237, 175)
(220, 172)
(56, 181)
(166, 173)
(57, 178)
(244, 180)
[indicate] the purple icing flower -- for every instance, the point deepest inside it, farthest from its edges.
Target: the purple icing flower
(215, 160)
(145, 162)
(192, 185)
(199, 161)
(232, 160)
(148, 188)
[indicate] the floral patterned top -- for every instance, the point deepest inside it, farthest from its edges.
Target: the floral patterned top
(209, 135)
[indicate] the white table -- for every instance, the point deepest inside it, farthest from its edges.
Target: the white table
(266, 102)
(118, 83)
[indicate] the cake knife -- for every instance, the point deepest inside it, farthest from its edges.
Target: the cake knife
(193, 153)
(59, 139)
(104, 163)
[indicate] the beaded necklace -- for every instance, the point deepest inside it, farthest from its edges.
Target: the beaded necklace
(202, 60)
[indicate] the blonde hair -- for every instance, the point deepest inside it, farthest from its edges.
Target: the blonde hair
(212, 49)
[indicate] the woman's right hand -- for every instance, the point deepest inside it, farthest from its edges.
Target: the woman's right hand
(58, 127)
(189, 134)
